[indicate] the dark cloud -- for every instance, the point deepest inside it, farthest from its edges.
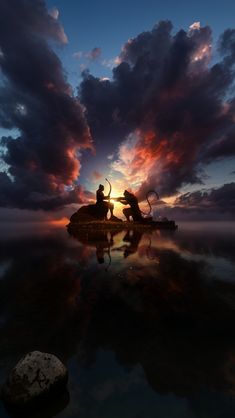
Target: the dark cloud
(36, 99)
(168, 94)
(165, 93)
(212, 204)
(227, 45)
(101, 99)
(222, 198)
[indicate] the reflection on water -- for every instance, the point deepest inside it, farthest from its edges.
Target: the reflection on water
(145, 321)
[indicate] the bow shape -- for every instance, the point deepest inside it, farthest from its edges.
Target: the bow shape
(110, 188)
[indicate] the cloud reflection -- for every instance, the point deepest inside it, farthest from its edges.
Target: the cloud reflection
(156, 308)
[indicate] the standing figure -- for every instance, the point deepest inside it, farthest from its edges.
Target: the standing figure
(101, 202)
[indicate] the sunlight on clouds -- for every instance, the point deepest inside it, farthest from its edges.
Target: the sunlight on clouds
(203, 39)
(203, 53)
(134, 162)
(195, 26)
(170, 201)
(104, 79)
(112, 62)
(54, 12)
(58, 222)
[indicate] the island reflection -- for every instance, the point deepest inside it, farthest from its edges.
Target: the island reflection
(162, 303)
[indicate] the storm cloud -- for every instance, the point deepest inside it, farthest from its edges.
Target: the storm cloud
(168, 104)
(214, 204)
(37, 101)
(220, 199)
(167, 112)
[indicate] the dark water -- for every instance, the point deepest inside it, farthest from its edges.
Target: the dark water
(144, 322)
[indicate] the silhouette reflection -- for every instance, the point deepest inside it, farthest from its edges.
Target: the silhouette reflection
(133, 237)
(156, 329)
(103, 241)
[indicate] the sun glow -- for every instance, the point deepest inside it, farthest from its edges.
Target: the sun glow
(59, 222)
(170, 200)
(118, 207)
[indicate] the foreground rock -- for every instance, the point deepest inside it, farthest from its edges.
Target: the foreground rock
(89, 213)
(36, 376)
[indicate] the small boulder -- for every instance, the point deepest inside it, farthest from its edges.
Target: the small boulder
(34, 377)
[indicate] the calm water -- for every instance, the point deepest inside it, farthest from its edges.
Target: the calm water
(144, 322)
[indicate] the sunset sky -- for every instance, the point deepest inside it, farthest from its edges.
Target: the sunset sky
(139, 92)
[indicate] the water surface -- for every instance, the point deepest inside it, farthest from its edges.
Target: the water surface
(144, 321)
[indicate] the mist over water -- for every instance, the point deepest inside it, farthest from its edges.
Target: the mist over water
(144, 321)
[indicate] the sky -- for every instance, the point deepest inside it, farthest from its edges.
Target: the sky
(139, 92)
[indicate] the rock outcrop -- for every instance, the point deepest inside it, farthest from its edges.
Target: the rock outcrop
(89, 213)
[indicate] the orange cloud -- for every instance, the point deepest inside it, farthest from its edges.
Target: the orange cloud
(96, 176)
(144, 155)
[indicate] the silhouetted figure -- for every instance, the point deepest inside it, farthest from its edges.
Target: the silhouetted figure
(103, 244)
(134, 238)
(134, 210)
(101, 202)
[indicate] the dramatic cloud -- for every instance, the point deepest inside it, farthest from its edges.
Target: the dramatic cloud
(150, 163)
(168, 111)
(207, 204)
(221, 199)
(36, 100)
